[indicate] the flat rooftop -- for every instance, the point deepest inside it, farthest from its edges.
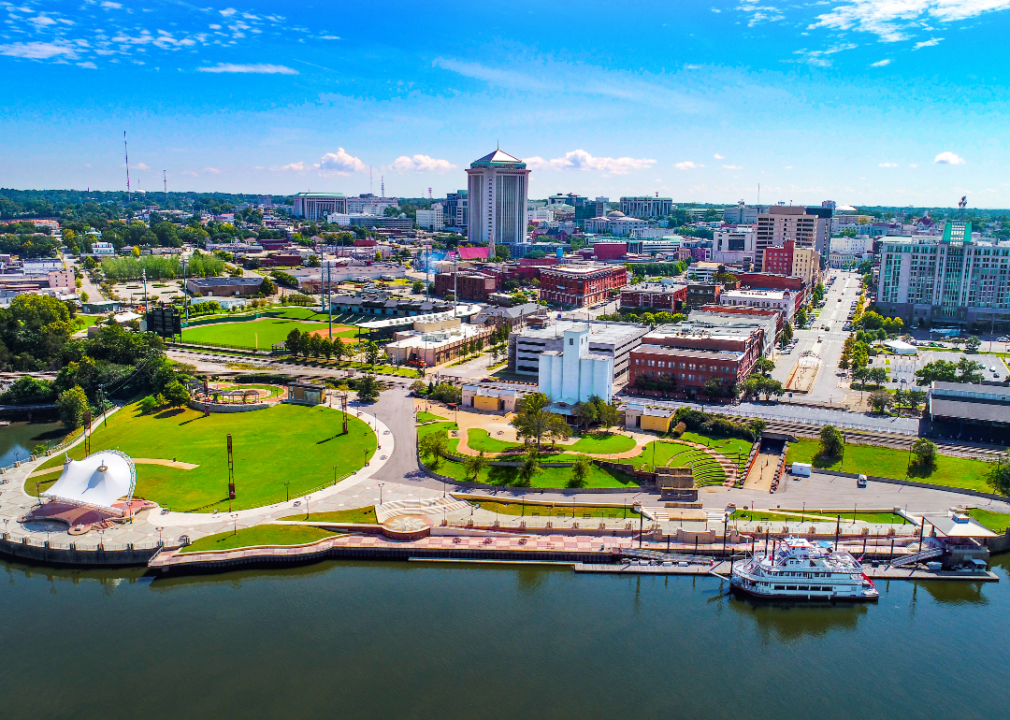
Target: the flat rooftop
(715, 332)
(755, 294)
(577, 269)
(610, 333)
(668, 351)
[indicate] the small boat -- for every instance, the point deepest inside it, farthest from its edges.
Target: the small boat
(4, 423)
(800, 570)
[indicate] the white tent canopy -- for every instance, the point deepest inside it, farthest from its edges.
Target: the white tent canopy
(901, 348)
(98, 480)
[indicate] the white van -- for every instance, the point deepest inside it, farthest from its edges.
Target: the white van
(802, 469)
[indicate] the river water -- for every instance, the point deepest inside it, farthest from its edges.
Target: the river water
(19, 438)
(406, 640)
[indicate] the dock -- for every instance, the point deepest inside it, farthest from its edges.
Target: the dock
(721, 570)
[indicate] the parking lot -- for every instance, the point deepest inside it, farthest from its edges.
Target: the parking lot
(903, 367)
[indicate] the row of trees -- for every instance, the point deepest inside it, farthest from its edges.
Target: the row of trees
(309, 344)
(160, 267)
(963, 371)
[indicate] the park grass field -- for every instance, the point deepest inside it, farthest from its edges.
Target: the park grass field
(996, 521)
(286, 443)
(816, 516)
(260, 535)
(478, 439)
(262, 333)
(891, 463)
(497, 475)
(424, 417)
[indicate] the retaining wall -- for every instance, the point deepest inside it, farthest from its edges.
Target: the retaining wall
(44, 553)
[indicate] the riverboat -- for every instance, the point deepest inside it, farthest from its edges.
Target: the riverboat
(800, 570)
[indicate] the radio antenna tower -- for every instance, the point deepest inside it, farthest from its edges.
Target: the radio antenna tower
(164, 179)
(383, 186)
(759, 194)
(126, 153)
(429, 193)
(369, 179)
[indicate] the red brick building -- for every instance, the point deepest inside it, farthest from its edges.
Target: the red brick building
(678, 364)
(279, 260)
(658, 298)
(471, 286)
(580, 286)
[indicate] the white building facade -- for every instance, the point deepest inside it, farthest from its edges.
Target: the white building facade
(574, 374)
(497, 187)
(431, 219)
(316, 206)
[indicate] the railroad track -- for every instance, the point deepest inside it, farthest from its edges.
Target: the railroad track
(882, 439)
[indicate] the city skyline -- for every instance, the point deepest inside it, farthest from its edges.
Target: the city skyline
(858, 101)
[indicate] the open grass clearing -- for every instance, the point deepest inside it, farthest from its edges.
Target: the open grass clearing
(479, 439)
(891, 463)
(818, 516)
(260, 535)
(354, 515)
(291, 444)
(262, 333)
(424, 417)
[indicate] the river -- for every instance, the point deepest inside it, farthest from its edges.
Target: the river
(19, 438)
(405, 640)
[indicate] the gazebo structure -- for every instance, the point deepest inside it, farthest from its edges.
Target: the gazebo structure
(95, 491)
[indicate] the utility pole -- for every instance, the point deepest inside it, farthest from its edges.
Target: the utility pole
(143, 274)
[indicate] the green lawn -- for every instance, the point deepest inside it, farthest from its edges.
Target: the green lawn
(817, 516)
(559, 510)
(890, 463)
(262, 333)
(355, 515)
(423, 417)
(260, 535)
(87, 320)
(996, 521)
(285, 443)
(674, 454)
(726, 446)
(442, 427)
(479, 439)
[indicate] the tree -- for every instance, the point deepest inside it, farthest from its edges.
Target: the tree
(71, 406)
(832, 442)
(925, 452)
(267, 288)
(713, 388)
(786, 334)
(176, 394)
(771, 387)
(368, 389)
(608, 415)
(372, 352)
(532, 417)
(880, 400)
(580, 472)
(969, 371)
(997, 475)
(148, 405)
(315, 345)
(801, 317)
(417, 387)
(586, 413)
(326, 348)
(558, 428)
(474, 465)
(433, 445)
(417, 287)
(764, 366)
(529, 468)
(878, 376)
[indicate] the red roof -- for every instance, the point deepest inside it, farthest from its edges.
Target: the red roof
(472, 253)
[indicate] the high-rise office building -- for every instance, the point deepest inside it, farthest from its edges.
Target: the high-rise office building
(781, 223)
(949, 280)
(497, 186)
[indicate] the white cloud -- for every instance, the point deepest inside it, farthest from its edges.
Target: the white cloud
(330, 37)
(341, 162)
(881, 63)
(890, 19)
(89, 65)
(687, 165)
(111, 5)
(421, 163)
(717, 156)
(39, 21)
(228, 12)
(262, 69)
(212, 170)
(820, 57)
(582, 160)
(932, 42)
(142, 167)
(887, 165)
(295, 166)
(948, 158)
(189, 173)
(37, 50)
(732, 167)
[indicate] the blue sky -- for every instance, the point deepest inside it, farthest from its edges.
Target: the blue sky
(859, 101)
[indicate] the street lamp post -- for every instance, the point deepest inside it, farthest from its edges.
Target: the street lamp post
(380, 492)
(287, 491)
